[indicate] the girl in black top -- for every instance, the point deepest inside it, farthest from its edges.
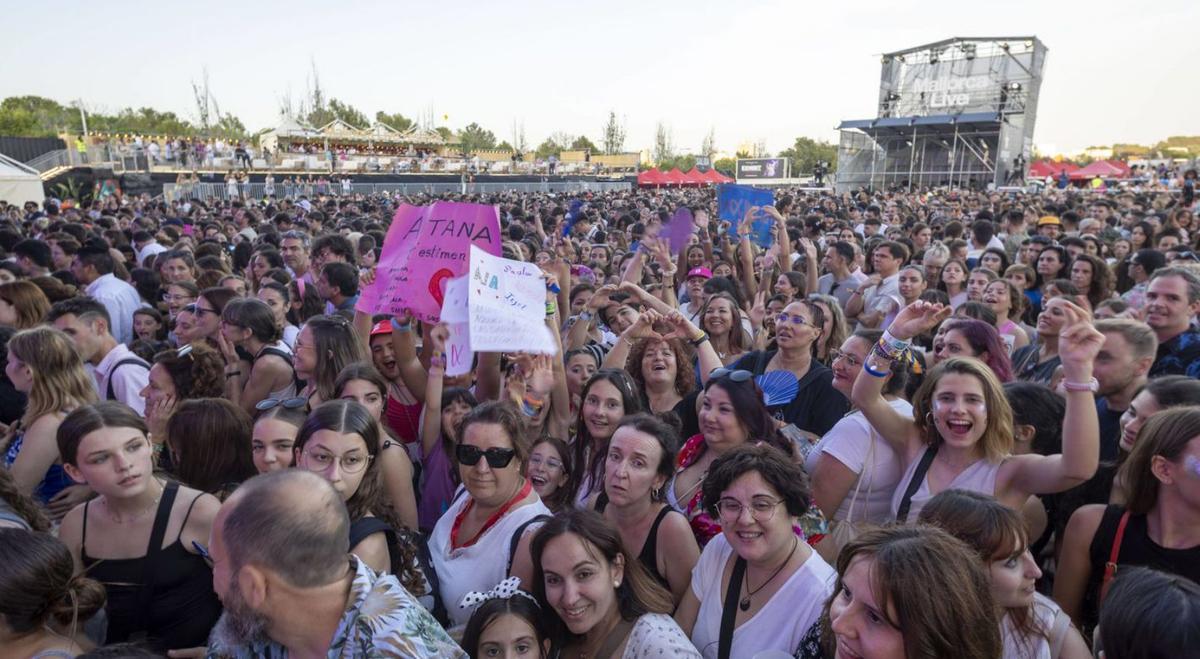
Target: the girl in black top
(160, 592)
(1156, 528)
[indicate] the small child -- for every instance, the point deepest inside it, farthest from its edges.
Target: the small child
(506, 624)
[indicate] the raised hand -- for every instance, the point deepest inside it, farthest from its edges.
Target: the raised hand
(810, 250)
(1079, 342)
(643, 327)
(918, 317)
(758, 312)
(157, 415)
(681, 327)
(438, 337)
(601, 297)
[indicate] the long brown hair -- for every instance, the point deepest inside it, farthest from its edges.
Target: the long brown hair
(210, 438)
(638, 594)
(30, 302)
(996, 532)
(1166, 434)
(938, 590)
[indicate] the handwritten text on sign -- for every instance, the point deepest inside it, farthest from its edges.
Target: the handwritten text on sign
(507, 301)
(425, 247)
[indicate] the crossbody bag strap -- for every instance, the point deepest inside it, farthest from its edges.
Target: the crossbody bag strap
(915, 484)
(729, 612)
(1110, 568)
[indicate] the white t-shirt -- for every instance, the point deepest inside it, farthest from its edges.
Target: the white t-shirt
(779, 625)
(480, 566)
(656, 636)
(854, 443)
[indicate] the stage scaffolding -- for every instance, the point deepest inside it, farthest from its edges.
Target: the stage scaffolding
(959, 112)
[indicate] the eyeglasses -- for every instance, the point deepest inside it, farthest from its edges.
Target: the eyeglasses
(352, 463)
(795, 319)
(737, 375)
(762, 509)
(168, 297)
(551, 463)
(199, 311)
(289, 403)
(853, 361)
(497, 458)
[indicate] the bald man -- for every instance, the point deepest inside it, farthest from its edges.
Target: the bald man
(282, 567)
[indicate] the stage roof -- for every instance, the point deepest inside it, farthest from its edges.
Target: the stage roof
(953, 40)
(866, 125)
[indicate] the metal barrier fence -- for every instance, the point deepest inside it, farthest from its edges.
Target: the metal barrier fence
(172, 191)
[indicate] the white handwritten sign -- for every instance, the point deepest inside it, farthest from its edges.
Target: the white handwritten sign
(507, 305)
(455, 313)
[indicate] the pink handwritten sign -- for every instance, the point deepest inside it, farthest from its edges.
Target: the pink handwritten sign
(425, 247)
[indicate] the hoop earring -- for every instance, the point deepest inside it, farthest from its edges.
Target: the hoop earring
(929, 419)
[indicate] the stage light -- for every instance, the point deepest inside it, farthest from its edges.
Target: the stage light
(933, 55)
(1004, 46)
(886, 59)
(968, 50)
(900, 58)
(893, 96)
(1014, 86)
(1029, 44)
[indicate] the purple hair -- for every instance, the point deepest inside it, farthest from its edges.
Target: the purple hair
(983, 337)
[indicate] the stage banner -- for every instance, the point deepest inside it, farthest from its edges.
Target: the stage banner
(763, 168)
(507, 306)
(424, 247)
(732, 203)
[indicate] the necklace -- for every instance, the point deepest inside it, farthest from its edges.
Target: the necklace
(118, 519)
(744, 604)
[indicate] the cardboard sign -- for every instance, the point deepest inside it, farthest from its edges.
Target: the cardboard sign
(425, 247)
(507, 306)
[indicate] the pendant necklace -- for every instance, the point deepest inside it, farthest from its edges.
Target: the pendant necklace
(744, 604)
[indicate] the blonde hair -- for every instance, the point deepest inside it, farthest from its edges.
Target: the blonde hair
(997, 439)
(60, 383)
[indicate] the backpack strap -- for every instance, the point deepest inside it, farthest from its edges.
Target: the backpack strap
(915, 483)
(1110, 568)
(111, 393)
(516, 538)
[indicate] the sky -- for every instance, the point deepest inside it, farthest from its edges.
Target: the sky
(748, 70)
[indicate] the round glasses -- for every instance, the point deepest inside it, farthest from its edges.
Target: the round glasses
(853, 361)
(762, 509)
(321, 460)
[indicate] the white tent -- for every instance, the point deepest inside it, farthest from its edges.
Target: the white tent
(19, 183)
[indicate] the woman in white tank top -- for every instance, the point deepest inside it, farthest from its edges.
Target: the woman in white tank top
(961, 433)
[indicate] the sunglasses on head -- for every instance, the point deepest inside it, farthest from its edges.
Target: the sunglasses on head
(497, 458)
(290, 403)
(736, 375)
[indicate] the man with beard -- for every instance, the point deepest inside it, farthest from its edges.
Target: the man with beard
(1172, 301)
(280, 550)
(1120, 370)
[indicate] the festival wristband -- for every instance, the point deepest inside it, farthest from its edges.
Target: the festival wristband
(532, 405)
(898, 345)
(437, 359)
(551, 308)
(586, 316)
(554, 288)
(401, 327)
(699, 339)
(1091, 386)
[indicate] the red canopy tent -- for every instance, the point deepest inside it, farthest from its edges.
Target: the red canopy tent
(674, 177)
(1044, 168)
(695, 177)
(651, 177)
(1101, 168)
(713, 176)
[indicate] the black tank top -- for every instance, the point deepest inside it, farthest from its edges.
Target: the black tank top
(165, 597)
(649, 554)
(1136, 549)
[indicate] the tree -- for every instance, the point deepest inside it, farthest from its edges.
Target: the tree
(727, 166)
(561, 140)
(663, 149)
(446, 133)
(397, 121)
(806, 152)
(709, 146)
(685, 163)
(582, 143)
(614, 135)
(547, 149)
(504, 146)
(335, 109)
(229, 126)
(37, 116)
(474, 137)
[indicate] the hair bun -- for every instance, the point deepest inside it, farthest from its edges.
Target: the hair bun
(81, 600)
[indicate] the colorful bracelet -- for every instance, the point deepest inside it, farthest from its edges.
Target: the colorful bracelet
(873, 372)
(897, 345)
(437, 359)
(699, 339)
(531, 405)
(551, 308)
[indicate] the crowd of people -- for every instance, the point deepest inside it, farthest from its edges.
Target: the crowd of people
(939, 423)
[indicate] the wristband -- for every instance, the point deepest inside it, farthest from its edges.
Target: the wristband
(531, 405)
(699, 339)
(551, 308)
(1091, 386)
(232, 374)
(437, 359)
(870, 371)
(586, 316)
(897, 345)
(554, 288)
(397, 326)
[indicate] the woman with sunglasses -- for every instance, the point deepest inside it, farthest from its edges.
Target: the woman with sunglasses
(193, 371)
(138, 537)
(854, 471)
(248, 328)
(207, 311)
(758, 586)
(483, 536)
(731, 414)
(815, 405)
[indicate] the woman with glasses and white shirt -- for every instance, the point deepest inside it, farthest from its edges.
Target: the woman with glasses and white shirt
(758, 586)
(483, 537)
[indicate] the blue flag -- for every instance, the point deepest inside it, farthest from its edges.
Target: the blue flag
(734, 200)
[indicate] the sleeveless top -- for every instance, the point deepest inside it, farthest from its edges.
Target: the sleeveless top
(281, 350)
(649, 553)
(404, 420)
(166, 596)
(438, 483)
(56, 480)
(1137, 548)
(980, 477)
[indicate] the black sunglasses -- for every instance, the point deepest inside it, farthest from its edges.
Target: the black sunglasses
(736, 375)
(497, 458)
(290, 403)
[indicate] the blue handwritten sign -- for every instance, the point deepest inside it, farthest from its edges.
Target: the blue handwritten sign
(734, 200)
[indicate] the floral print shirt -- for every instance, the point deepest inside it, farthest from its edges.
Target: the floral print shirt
(381, 620)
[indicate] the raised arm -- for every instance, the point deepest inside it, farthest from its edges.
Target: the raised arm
(431, 426)
(899, 431)
(810, 264)
(578, 335)
(1078, 346)
(706, 355)
(404, 344)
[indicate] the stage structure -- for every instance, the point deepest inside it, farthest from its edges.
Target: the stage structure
(958, 112)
